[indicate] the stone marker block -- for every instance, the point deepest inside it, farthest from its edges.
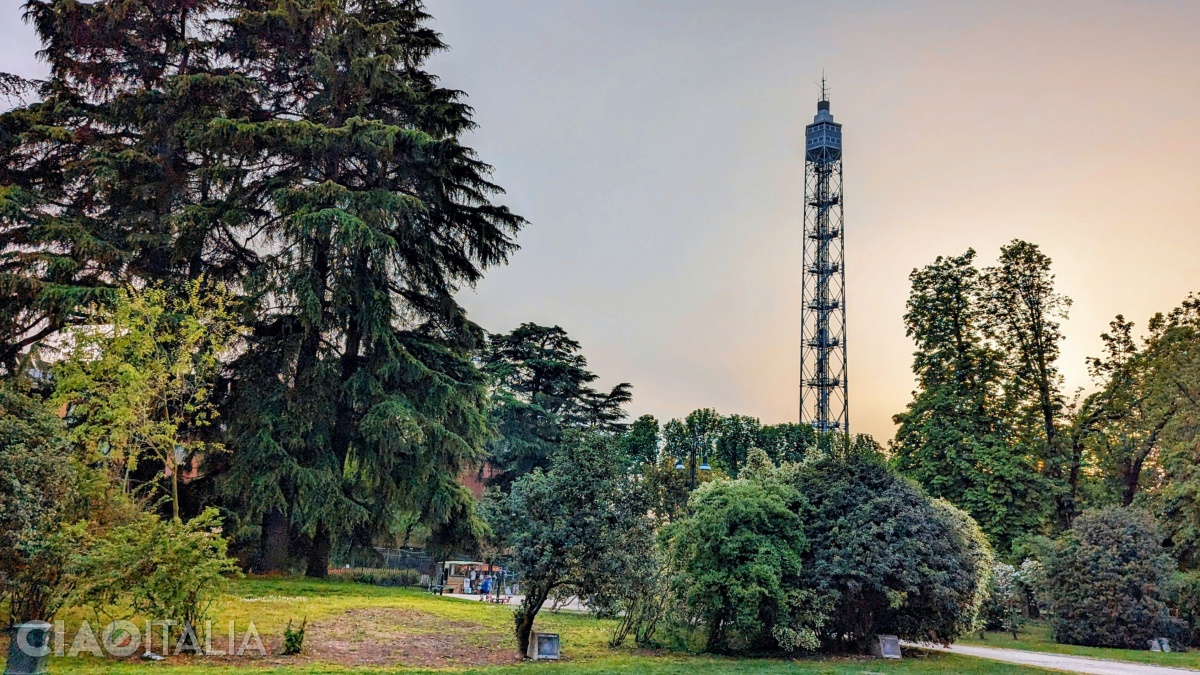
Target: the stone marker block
(886, 647)
(543, 646)
(27, 649)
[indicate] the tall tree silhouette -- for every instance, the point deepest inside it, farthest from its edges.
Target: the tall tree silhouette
(954, 437)
(357, 397)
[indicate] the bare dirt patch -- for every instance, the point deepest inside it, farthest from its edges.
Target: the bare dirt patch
(387, 636)
(373, 636)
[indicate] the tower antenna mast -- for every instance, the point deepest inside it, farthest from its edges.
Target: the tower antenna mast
(823, 385)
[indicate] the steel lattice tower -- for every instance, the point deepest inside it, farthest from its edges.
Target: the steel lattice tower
(823, 386)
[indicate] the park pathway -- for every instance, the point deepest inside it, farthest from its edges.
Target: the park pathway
(1074, 664)
(572, 605)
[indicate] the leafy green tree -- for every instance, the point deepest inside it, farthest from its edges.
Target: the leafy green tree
(541, 386)
(695, 435)
(687, 445)
(670, 487)
(1023, 312)
(1122, 422)
(736, 435)
(1107, 581)
(570, 526)
(739, 556)
(640, 443)
(1136, 431)
(356, 398)
(786, 442)
(726, 440)
(955, 438)
(1167, 475)
(884, 556)
(139, 379)
(1100, 422)
(543, 365)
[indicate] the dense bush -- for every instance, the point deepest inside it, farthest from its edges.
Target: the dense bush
(38, 481)
(885, 557)
(738, 554)
(1106, 581)
(164, 569)
(1002, 609)
(1183, 597)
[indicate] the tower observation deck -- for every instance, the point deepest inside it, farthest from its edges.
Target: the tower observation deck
(823, 386)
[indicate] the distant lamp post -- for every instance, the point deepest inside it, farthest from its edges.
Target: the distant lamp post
(691, 466)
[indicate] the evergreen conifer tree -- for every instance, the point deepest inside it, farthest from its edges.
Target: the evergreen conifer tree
(357, 399)
(113, 173)
(541, 386)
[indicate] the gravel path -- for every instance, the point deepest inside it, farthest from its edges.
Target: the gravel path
(1074, 664)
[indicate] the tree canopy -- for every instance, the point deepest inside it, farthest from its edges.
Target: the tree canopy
(541, 387)
(960, 437)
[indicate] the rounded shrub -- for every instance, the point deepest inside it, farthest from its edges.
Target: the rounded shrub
(1106, 581)
(738, 559)
(885, 557)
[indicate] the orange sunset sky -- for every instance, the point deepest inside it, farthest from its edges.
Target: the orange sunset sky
(655, 148)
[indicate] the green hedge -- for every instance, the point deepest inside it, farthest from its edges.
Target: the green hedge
(381, 577)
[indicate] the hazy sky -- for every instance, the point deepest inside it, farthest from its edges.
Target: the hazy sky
(655, 148)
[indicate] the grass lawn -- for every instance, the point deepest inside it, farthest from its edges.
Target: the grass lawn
(367, 629)
(1035, 636)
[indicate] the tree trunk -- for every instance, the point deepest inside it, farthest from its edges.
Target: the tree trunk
(310, 346)
(349, 363)
(274, 542)
(175, 486)
(525, 616)
(524, 629)
(1133, 476)
(318, 555)
(1064, 504)
(1133, 470)
(1079, 431)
